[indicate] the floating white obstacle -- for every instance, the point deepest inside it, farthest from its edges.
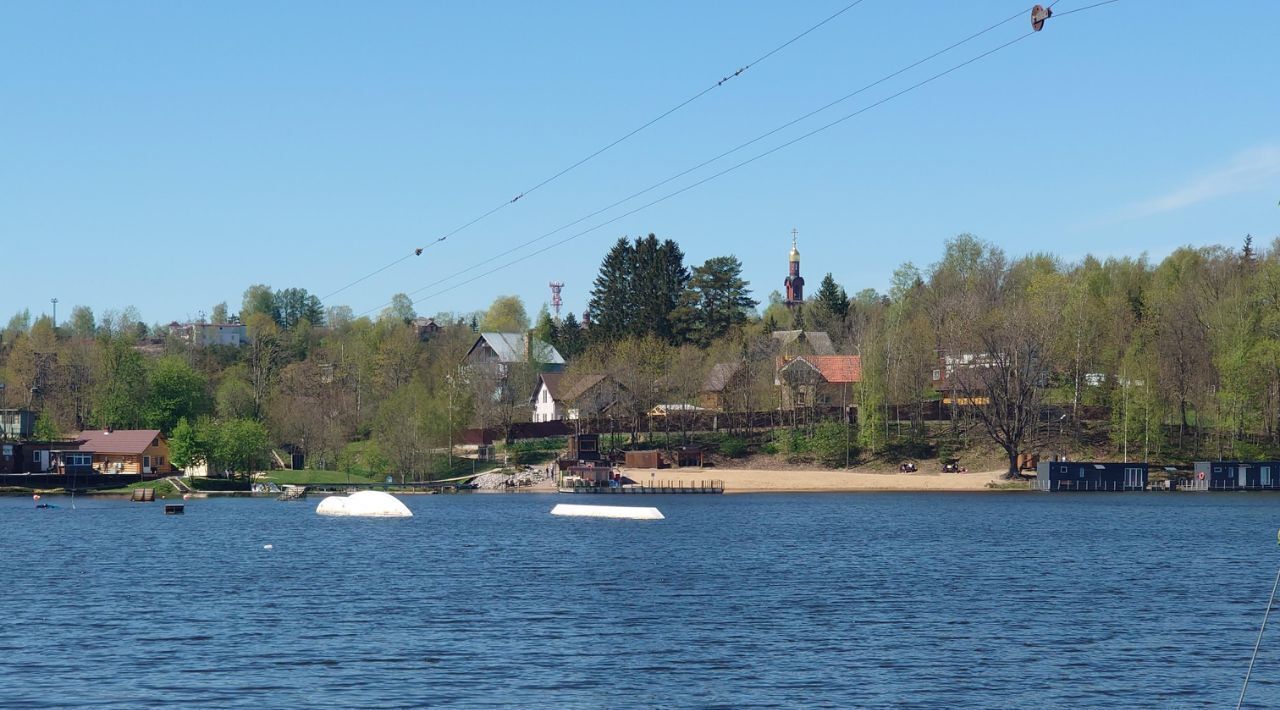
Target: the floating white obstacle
(373, 504)
(607, 511)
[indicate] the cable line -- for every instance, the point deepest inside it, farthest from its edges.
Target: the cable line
(741, 164)
(728, 170)
(721, 82)
(741, 146)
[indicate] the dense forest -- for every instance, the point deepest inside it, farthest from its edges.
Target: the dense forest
(1163, 361)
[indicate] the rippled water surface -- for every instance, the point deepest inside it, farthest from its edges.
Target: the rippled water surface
(903, 600)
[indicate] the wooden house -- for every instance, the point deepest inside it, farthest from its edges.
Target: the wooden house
(127, 450)
(821, 381)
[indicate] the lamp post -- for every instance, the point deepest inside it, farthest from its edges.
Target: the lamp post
(449, 381)
(54, 301)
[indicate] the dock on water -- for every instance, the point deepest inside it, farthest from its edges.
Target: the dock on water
(652, 487)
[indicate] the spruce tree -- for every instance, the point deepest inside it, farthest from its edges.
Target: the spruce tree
(570, 339)
(832, 297)
(611, 307)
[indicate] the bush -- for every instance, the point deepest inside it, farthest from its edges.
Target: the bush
(833, 444)
(733, 447)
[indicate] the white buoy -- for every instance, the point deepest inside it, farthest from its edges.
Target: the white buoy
(35, 496)
(607, 511)
(268, 547)
(371, 504)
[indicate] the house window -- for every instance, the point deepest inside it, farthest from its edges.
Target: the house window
(159, 461)
(78, 459)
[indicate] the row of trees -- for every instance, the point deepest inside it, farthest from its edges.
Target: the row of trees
(1180, 357)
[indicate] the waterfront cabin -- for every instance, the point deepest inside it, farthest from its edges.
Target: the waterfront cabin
(1234, 476)
(1090, 476)
(140, 451)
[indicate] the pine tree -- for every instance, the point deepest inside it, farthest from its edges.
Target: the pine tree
(716, 300)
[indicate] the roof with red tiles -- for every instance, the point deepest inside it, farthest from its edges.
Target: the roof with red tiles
(836, 369)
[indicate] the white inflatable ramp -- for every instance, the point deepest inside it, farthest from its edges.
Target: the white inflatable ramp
(365, 504)
(607, 511)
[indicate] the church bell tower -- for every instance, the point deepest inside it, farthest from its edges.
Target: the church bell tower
(794, 282)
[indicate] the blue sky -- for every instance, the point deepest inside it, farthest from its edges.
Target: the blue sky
(167, 155)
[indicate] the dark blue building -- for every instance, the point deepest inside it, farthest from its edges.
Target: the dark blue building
(1235, 476)
(1090, 476)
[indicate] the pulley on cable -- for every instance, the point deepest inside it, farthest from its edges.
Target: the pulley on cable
(1039, 15)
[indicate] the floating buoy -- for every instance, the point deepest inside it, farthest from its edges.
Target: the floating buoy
(267, 547)
(35, 496)
(607, 511)
(186, 496)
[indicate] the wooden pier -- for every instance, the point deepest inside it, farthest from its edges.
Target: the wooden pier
(652, 488)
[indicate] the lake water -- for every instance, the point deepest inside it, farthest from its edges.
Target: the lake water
(837, 600)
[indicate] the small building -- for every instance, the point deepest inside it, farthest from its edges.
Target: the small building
(818, 380)
(141, 451)
(562, 396)
(1090, 476)
(499, 350)
(425, 328)
(42, 457)
(548, 398)
(17, 423)
(205, 334)
(723, 381)
(584, 447)
(1234, 476)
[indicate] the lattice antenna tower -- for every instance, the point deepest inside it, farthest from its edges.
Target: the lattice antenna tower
(556, 301)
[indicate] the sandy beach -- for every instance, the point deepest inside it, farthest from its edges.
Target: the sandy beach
(777, 481)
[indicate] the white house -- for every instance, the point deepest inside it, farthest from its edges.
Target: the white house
(205, 334)
(556, 398)
(548, 403)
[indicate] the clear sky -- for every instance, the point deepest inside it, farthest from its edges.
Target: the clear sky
(167, 155)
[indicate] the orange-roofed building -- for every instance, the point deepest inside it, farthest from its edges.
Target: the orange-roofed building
(818, 380)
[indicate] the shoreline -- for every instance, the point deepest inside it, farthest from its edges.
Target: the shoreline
(826, 480)
(739, 481)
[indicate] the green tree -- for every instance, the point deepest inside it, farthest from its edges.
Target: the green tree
(295, 306)
(46, 429)
(175, 391)
(505, 315)
(656, 287)
(259, 299)
(190, 444)
(570, 338)
(546, 330)
(400, 309)
(832, 297)
(219, 314)
(122, 382)
(716, 299)
(241, 445)
(81, 322)
(610, 302)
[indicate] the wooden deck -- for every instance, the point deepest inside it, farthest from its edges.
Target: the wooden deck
(653, 488)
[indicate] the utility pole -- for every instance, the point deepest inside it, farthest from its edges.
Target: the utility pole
(54, 301)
